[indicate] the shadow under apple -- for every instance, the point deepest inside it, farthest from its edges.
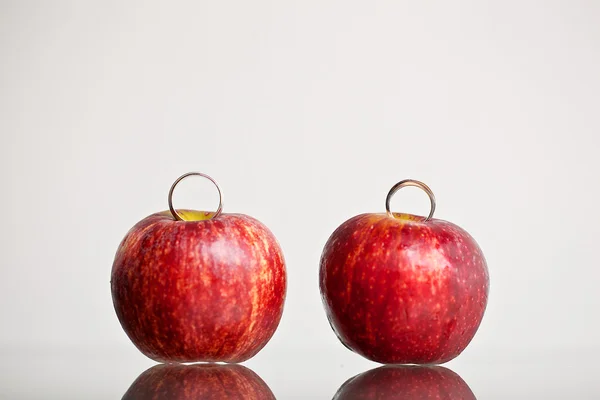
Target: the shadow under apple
(405, 382)
(198, 381)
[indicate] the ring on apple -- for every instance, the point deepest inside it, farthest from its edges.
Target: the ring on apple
(191, 286)
(403, 289)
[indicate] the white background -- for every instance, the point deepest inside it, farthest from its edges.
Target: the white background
(306, 113)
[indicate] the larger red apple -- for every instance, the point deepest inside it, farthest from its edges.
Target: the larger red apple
(205, 288)
(198, 381)
(403, 289)
(405, 382)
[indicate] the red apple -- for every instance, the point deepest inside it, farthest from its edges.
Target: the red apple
(199, 381)
(405, 382)
(403, 289)
(209, 287)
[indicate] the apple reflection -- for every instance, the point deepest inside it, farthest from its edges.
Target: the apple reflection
(198, 381)
(405, 382)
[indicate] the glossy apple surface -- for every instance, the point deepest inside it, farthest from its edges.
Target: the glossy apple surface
(199, 381)
(402, 290)
(201, 289)
(406, 382)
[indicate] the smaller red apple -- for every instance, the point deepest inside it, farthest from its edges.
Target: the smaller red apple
(403, 289)
(405, 382)
(198, 381)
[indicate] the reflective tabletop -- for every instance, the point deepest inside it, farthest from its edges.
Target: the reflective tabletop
(298, 374)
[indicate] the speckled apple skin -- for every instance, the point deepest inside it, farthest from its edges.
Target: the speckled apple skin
(198, 381)
(188, 291)
(399, 290)
(405, 382)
